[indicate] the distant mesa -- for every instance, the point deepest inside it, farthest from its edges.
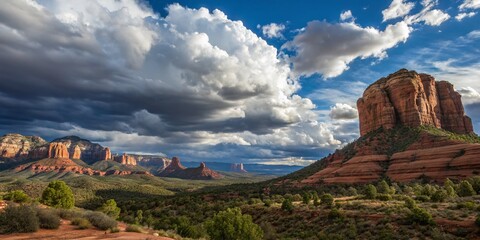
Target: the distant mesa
(125, 159)
(177, 170)
(57, 150)
(17, 146)
(412, 128)
(237, 167)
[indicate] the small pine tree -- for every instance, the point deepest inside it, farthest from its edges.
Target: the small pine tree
(465, 189)
(327, 199)
(58, 194)
(316, 199)
(110, 208)
(383, 187)
(287, 205)
(371, 192)
(306, 197)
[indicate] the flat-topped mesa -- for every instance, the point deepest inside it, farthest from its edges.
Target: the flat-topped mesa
(412, 99)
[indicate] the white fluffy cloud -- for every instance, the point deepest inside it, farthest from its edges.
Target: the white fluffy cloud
(469, 95)
(193, 78)
(342, 111)
(470, 4)
(328, 48)
(272, 30)
(347, 15)
(398, 8)
(463, 15)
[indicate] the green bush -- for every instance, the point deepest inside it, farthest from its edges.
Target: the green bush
(101, 220)
(110, 208)
(48, 218)
(422, 198)
(465, 189)
(335, 213)
(82, 223)
(327, 199)
(232, 224)
(58, 194)
(384, 188)
(17, 196)
(287, 205)
(370, 192)
(68, 214)
(410, 203)
(420, 216)
(133, 228)
(19, 219)
(384, 197)
(439, 196)
(306, 197)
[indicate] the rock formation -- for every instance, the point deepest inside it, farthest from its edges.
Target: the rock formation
(411, 99)
(57, 150)
(89, 152)
(106, 154)
(18, 146)
(176, 170)
(125, 159)
(77, 152)
(394, 145)
(237, 167)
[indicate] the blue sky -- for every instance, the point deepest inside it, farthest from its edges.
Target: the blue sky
(233, 81)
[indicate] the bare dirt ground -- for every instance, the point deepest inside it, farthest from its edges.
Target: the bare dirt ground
(67, 231)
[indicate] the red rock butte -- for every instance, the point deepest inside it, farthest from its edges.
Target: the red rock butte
(412, 99)
(412, 128)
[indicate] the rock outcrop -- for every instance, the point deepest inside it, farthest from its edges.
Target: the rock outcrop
(89, 152)
(125, 159)
(410, 99)
(237, 167)
(17, 146)
(176, 170)
(412, 128)
(57, 150)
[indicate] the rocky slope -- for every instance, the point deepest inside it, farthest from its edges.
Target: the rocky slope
(17, 146)
(412, 128)
(176, 170)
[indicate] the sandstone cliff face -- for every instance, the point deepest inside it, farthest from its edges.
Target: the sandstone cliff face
(18, 146)
(176, 170)
(125, 159)
(89, 152)
(404, 153)
(57, 150)
(411, 99)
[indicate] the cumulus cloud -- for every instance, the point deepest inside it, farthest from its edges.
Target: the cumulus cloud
(328, 48)
(469, 4)
(347, 15)
(463, 15)
(272, 30)
(118, 72)
(341, 111)
(398, 8)
(469, 95)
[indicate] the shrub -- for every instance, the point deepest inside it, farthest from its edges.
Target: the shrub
(384, 197)
(267, 202)
(68, 214)
(327, 199)
(287, 205)
(82, 223)
(48, 218)
(335, 213)
(439, 196)
(232, 224)
(370, 192)
(58, 194)
(19, 219)
(316, 199)
(410, 203)
(306, 197)
(384, 188)
(110, 208)
(465, 189)
(420, 216)
(133, 228)
(101, 220)
(352, 191)
(422, 198)
(17, 196)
